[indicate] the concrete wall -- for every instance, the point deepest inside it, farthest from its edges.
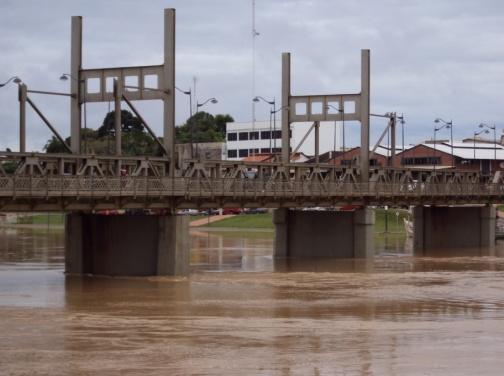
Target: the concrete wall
(133, 245)
(329, 234)
(453, 227)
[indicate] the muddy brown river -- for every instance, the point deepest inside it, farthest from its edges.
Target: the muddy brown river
(243, 313)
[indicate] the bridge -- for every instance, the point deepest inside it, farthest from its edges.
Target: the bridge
(81, 183)
(67, 182)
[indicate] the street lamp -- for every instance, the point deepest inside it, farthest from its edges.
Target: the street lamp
(483, 125)
(274, 121)
(447, 125)
(188, 92)
(342, 112)
(486, 131)
(401, 118)
(15, 79)
(211, 100)
(272, 112)
(198, 105)
(65, 77)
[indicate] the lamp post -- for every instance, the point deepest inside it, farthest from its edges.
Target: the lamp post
(198, 105)
(274, 122)
(188, 92)
(401, 118)
(483, 125)
(342, 112)
(22, 110)
(211, 100)
(474, 139)
(403, 147)
(447, 125)
(14, 79)
(272, 112)
(65, 77)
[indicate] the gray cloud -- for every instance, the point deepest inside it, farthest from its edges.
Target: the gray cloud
(429, 58)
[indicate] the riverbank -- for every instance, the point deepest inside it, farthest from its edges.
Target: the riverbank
(389, 221)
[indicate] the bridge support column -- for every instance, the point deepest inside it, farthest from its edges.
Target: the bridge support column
(127, 245)
(329, 234)
(438, 227)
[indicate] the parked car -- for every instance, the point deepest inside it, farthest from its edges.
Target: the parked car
(211, 211)
(227, 211)
(255, 211)
(188, 212)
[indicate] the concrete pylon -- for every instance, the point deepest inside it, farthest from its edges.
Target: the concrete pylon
(324, 234)
(453, 227)
(127, 245)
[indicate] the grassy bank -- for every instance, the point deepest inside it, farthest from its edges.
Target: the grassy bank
(41, 219)
(386, 221)
(390, 220)
(246, 221)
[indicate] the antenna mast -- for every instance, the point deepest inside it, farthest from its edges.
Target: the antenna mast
(254, 35)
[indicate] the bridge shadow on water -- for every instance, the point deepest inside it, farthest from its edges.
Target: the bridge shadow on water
(242, 251)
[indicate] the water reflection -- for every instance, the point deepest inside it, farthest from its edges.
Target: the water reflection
(384, 316)
(231, 250)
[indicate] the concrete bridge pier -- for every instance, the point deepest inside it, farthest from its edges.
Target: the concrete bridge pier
(127, 245)
(323, 234)
(443, 227)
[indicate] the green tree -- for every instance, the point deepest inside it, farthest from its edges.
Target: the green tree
(53, 145)
(135, 140)
(129, 123)
(203, 127)
(220, 122)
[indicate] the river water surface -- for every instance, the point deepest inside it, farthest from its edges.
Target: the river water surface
(242, 313)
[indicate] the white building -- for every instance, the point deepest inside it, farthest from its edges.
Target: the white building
(244, 139)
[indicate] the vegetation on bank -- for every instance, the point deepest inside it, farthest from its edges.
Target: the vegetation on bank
(390, 220)
(386, 221)
(201, 127)
(261, 221)
(41, 219)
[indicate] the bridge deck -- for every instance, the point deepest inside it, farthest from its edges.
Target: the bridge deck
(65, 182)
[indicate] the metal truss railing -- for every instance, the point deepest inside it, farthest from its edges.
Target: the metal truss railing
(107, 187)
(35, 177)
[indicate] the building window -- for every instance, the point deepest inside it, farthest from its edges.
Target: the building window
(265, 150)
(346, 162)
(254, 135)
(253, 151)
(421, 161)
(243, 136)
(232, 153)
(277, 134)
(276, 150)
(231, 136)
(265, 135)
(373, 162)
(242, 153)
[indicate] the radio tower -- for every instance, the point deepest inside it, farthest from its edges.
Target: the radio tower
(254, 35)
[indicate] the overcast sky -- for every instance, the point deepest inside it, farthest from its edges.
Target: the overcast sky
(429, 58)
